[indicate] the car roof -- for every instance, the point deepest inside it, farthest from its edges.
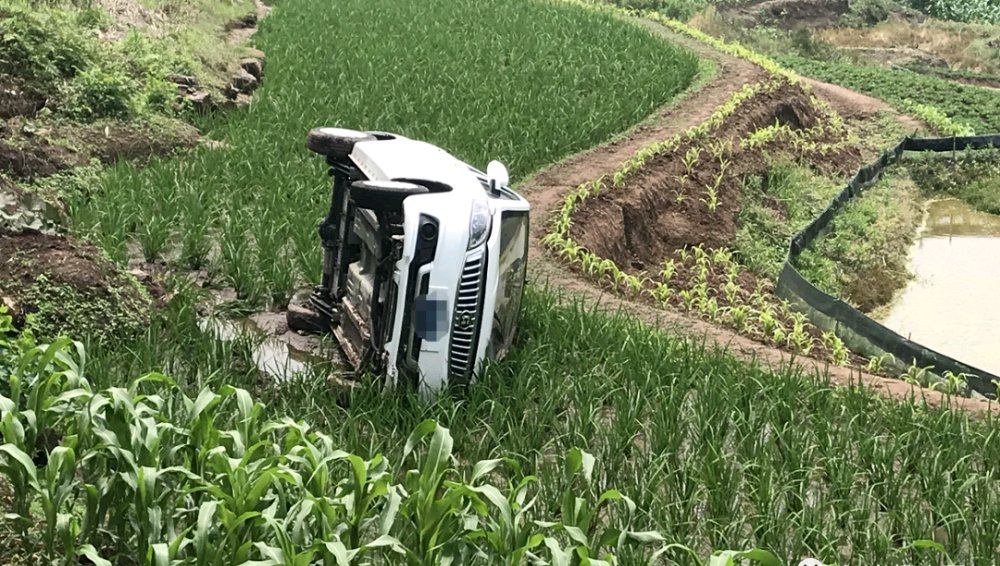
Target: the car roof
(404, 158)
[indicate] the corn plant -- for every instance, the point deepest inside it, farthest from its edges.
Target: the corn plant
(876, 363)
(952, 384)
(838, 352)
(661, 292)
(149, 473)
(916, 375)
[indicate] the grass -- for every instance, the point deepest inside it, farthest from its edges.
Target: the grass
(716, 453)
(544, 85)
(972, 176)
(976, 107)
(774, 206)
(863, 257)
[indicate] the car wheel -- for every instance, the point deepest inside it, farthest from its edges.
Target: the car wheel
(335, 142)
(383, 196)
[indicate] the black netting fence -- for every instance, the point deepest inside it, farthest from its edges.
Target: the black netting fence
(859, 332)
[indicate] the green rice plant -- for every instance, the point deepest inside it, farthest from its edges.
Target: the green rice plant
(264, 175)
(962, 104)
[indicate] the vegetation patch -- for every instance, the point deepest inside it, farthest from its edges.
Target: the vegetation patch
(972, 176)
(665, 225)
(57, 285)
(972, 106)
(863, 258)
(436, 78)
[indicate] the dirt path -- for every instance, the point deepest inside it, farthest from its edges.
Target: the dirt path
(546, 189)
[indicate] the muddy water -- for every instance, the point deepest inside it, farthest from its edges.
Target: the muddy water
(273, 356)
(953, 304)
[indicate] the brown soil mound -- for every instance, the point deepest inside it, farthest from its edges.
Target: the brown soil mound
(794, 14)
(16, 100)
(31, 156)
(663, 207)
(70, 287)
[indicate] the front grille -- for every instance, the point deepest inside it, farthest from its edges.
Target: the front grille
(465, 322)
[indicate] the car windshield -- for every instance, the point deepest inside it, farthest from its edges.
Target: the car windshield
(512, 269)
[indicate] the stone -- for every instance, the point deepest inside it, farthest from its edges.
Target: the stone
(202, 101)
(304, 320)
(254, 53)
(244, 82)
(141, 275)
(183, 80)
(253, 66)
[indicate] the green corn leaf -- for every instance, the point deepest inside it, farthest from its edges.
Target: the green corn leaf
(386, 541)
(159, 554)
(273, 554)
(493, 495)
(576, 534)
(206, 516)
(90, 553)
(578, 461)
(389, 512)
(206, 399)
(12, 429)
(23, 462)
(559, 556)
(339, 552)
(645, 537)
(729, 557)
(437, 458)
(655, 557)
(482, 468)
(419, 433)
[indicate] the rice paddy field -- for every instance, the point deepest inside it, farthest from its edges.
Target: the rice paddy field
(598, 436)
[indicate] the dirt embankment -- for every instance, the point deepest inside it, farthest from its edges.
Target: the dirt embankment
(68, 285)
(547, 189)
(791, 14)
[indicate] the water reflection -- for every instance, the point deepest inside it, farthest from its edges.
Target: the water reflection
(272, 356)
(953, 304)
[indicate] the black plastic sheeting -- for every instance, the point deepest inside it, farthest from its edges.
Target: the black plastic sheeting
(859, 332)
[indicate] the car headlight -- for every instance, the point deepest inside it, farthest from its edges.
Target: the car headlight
(479, 223)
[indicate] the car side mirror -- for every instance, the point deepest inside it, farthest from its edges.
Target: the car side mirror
(497, 174)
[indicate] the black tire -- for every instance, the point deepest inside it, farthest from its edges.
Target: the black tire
(335, 142)
(383, 196)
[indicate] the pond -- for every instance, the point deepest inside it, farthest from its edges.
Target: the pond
(953, 303)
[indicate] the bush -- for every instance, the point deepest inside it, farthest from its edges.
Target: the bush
(42, 46)
(100, 93)
(987, 11)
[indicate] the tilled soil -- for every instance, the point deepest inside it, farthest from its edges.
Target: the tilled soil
(663, 207)
(64, 262)
(548, 188)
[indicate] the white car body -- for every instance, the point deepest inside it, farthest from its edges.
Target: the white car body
(476, 288)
